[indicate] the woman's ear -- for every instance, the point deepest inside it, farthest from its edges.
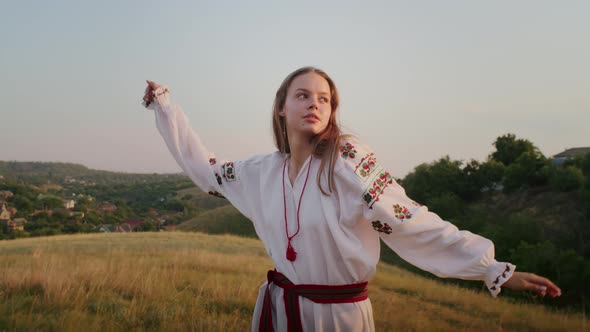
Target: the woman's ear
(282, 113)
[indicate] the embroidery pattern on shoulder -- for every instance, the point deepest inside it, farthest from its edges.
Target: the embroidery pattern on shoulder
(229, 173)
(383, 228)
(401, 212)
(372, 193)
(218, 178)
(348, 151)
(212, 161)
(366, 166)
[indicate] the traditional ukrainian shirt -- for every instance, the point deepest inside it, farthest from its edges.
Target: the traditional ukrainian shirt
(339, 238)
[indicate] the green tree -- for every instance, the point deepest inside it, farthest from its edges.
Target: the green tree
(432, 180)
(448, 205)
(23, 205)
(530, 169)
(51, 202)
(509, 148)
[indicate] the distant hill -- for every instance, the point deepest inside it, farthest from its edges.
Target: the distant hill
(38, 173)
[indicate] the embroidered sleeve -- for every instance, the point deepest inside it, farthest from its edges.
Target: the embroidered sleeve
(218, 178)
(416, 234)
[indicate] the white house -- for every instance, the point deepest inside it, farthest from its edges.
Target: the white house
(69, 204)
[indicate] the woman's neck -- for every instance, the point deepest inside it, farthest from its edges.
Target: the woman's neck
(300, 151)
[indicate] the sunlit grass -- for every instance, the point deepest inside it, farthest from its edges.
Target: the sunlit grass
(190, 281)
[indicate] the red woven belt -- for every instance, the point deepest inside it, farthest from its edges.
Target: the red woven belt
(316, 293)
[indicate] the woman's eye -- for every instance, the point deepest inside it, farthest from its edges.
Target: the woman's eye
(324, 99)
(302, 96)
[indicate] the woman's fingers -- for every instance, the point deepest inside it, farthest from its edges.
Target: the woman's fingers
(153, 85)
(148, 95)
(533, 282)
(546, 285)
(542, 285)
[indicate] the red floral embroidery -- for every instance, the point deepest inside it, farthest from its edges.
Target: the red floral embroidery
(348, 151)
(401, 212)
(366, 166)
(383, 228)
(376, 189)
(216, 194)
(229, 171)
(212, 161)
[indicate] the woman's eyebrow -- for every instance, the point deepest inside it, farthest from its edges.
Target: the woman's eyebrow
(305, 90)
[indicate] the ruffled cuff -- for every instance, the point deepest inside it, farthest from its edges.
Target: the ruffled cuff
(161, 99)
(497, 274)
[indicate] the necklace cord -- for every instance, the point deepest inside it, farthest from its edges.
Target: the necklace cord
(291, 253)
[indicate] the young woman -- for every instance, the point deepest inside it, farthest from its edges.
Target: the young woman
(320, 204)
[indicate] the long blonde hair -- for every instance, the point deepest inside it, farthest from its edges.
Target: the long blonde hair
(325, 144)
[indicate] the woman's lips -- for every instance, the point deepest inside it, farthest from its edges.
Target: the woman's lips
(312, 118)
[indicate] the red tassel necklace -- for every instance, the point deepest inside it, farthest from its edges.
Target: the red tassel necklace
(291, 253)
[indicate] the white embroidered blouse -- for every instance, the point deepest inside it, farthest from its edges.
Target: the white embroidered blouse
(338, 242)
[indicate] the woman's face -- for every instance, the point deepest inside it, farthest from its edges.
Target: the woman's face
(307, 107)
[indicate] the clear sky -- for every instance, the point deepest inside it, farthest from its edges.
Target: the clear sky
(418, 79)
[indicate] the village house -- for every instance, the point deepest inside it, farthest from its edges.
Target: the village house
(6, 194)
(88, 197)
(105, 228)
(69, 204)
(107, 207)
(129, 225)
(6, 221)
(77, 214)
(17, 224)
(5, 213)
(37, 212)
(70, 179)
(561, 157)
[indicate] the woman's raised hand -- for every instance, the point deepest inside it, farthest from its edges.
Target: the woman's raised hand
(148, 96)
(532, 282)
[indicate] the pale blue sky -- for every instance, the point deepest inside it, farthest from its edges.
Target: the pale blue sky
(418, 79)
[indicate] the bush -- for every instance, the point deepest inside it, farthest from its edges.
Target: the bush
(564, 267)
(174, 205)
(566, 178)
(447, 206)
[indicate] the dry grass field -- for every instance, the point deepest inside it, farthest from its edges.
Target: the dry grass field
(196, 282)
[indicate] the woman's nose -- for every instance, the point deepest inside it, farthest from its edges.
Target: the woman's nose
(313, 106)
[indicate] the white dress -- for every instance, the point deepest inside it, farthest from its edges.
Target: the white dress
(339, 238)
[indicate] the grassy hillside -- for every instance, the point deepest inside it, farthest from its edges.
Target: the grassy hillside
(223, 220)
(191, 281)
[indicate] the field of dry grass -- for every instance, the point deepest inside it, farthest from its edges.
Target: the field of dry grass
(197, 282)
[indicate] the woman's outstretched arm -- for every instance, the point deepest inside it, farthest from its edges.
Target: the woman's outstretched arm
(421, 237)
(219, 178)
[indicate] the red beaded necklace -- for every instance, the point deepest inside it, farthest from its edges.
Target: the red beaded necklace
(291, 253)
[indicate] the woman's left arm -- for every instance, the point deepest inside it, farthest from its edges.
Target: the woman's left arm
(421, 237)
